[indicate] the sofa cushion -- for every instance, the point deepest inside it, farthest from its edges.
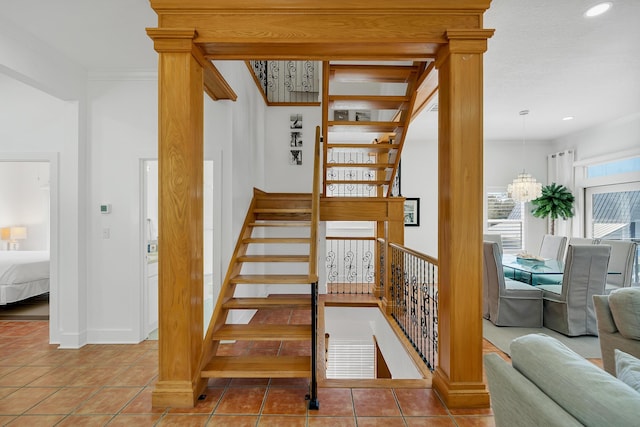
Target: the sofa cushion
(587, 392)
(625, 308)
(628, 369)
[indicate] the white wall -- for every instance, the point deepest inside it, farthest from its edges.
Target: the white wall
(502, 163)
(236, 130)
(419, 178)
(122, 132)
(608, 142)
(99, 299)
(281, 176)
(123, 123)
(618, 136)
(35, 126)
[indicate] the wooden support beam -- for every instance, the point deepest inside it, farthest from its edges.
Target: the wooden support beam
(180, 162)
(458, 378)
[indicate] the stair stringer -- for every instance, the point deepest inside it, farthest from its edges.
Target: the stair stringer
(227, 290)
(283, 211)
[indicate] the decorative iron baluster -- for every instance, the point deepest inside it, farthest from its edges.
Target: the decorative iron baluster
(414, 297)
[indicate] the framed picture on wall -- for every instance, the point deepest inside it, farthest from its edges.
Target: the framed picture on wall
(363, 116)
(412, 212)
(295, 121)
(340, 115)
(295, 157)
(296, 139)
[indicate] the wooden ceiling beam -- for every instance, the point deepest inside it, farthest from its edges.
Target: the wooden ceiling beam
(327, 30)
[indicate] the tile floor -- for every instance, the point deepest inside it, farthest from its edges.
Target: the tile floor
(99, 385)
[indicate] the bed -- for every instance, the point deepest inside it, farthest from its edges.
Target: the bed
(23, 274)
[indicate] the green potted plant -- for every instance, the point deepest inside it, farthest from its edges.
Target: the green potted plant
(556, 201)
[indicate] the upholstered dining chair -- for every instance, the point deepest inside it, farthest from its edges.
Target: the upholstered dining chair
(623, 253)
(568, 307)
(508, 302)
(582, 241)
(494, 238)
(553, 247)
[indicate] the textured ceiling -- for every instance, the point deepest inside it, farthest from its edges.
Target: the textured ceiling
(544, 57)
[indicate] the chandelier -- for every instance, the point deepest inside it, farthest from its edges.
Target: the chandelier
(524, 188)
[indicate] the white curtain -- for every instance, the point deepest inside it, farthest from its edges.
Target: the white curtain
(560, 171)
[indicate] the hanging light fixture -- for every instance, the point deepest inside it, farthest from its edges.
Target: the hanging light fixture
(524, 188)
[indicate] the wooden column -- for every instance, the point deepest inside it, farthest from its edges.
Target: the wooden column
(180, 161)
(458, 378)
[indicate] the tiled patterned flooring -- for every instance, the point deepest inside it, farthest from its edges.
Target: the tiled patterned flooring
(98, 385)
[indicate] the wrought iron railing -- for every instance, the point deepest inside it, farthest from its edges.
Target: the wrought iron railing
(382, 267)
(345, 173)
(288, 81)
(350, 265)
(413, 291)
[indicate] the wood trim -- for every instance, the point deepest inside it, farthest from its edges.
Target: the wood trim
(344, 6)
(215, 85)
(448, 30)
(180, 153)
(361, 209)
(427, 89)
(458, 378)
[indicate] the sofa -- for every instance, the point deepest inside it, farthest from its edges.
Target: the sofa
(618, 319)
(547, 384)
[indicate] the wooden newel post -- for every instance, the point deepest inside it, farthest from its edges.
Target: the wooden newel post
(458, 378)
(180, 161)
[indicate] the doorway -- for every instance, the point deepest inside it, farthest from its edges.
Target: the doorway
(25, 239)
(211, 244)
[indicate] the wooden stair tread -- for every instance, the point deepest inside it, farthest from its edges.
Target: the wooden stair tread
(274, 258)
(284, 196)
(277, 240)
(267, 223)
(371, 73)
(282, 210)
(251, 332)
(363, 147)
(258, 367)
(267, 303)
(356, 126)
(367, 102)
(283, 279)
(356, 181)
(373, 166)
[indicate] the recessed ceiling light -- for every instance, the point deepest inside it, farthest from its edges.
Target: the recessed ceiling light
(598, 9)
(567, 118)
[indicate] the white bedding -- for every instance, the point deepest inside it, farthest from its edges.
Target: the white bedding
(23, 274)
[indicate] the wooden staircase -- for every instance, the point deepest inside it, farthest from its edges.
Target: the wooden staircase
(365, 117)
(276, 230)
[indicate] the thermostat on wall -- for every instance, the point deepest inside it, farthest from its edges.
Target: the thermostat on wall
(105, 209)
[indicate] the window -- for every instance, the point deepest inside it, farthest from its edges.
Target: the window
(614, 168)
(613, 213)
(504, 217)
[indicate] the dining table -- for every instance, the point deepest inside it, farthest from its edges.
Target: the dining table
(535, 270)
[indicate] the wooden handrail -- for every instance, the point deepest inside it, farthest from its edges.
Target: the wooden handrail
(315, 210)
(417, 254)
